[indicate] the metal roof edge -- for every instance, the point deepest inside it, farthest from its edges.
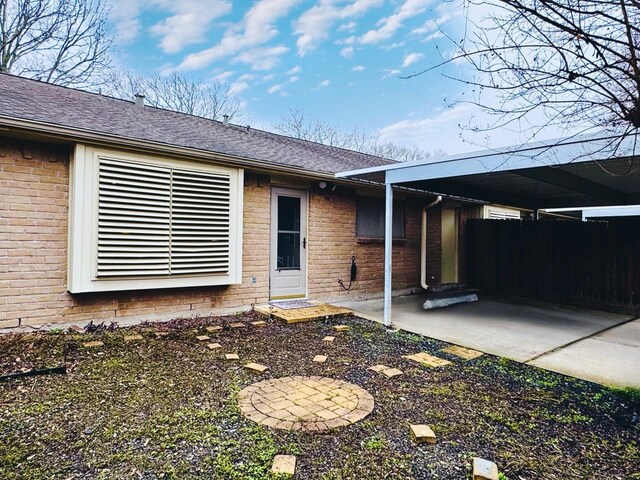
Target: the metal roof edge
(550, 143)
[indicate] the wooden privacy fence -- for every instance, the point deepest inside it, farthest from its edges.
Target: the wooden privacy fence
(590, 264)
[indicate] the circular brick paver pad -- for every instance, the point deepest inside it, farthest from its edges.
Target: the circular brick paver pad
(305, 403)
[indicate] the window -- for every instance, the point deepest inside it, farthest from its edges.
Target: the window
(500, 213)
(143, 222)
(370, 217)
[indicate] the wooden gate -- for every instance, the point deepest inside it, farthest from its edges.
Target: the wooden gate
(589, 264)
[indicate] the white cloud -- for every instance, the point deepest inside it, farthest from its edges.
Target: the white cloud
(256, 28)
(347, 52)
(358, 68)
(393, 46)
(262, 58)
(322, 84)
(246, 77)
(278, 87)
(224, 76)
(314, 24)
(189, 22)
(268, 78)
(411, 58)
(347, 27)
(439, 131)
(237, 87)
(294, 70)
(275, 88)
(433, 36)
(388, 26)
(124, 15)
(392, 72)
(452, 130)
(445, 14)
(352, 40)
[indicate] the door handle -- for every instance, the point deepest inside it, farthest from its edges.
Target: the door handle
(304, 242)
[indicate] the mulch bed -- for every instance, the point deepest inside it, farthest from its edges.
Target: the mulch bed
(166, 408)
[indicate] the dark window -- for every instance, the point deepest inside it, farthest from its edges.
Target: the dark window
(370, 218)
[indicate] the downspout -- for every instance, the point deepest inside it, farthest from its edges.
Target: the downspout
(423, 243)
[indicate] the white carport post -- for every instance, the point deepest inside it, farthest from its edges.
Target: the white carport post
(388, 245)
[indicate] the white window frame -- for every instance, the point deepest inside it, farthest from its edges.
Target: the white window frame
(83, 225)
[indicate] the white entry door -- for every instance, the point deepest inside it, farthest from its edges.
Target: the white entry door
(288, 243)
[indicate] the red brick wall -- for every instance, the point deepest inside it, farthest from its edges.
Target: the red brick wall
(34, 186)
(34, 191)
(332, 234)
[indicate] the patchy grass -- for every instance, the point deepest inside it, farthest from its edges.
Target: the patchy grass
(166, 408)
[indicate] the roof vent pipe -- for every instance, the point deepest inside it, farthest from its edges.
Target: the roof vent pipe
(423, 243)
(225, 120)
(139, 98)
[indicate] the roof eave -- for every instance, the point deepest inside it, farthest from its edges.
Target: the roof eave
(108, 140)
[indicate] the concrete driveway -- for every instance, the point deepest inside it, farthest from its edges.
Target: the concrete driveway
(596, 346)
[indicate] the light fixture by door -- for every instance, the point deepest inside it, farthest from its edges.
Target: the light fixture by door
(330, 187)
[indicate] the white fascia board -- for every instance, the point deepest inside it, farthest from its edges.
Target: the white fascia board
(630, 211)
(543, 153)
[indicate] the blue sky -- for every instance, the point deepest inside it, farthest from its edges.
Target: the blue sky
(334, 59)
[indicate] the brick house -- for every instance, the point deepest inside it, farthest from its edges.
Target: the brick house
(111, 209)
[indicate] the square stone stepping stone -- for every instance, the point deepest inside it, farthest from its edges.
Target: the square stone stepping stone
(484, 469)
(203, 338)
(214, 329)
(378, 368)
(236, 325)
(213, 346)
(427, 360)
(320, 358)
(259, 323)
(284, 465)
(132, 338)
(231, 356)
(256, 367)
(328, 339)
(422, 434)
(392, 372)
(341, 328)
(93, 344)
(462, 352)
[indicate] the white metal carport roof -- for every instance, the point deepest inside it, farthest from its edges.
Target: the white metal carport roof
(578, 172)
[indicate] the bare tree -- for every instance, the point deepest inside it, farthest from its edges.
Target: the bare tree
(180, 93)
(65, 42)
(576, 61)
(295, 124)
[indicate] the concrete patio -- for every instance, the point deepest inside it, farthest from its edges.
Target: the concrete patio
(596, 346)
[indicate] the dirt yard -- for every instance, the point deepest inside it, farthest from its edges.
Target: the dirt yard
(166, 407)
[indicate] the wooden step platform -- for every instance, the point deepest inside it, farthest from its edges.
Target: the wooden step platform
(320, 311)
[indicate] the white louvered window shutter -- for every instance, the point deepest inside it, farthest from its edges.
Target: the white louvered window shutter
(162, 221)
(503, 215)
(134, 219)
(200, 222)
(140, 221)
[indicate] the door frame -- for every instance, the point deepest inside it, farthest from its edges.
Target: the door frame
(303, 194)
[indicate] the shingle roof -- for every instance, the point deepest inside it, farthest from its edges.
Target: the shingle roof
(26, 99)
